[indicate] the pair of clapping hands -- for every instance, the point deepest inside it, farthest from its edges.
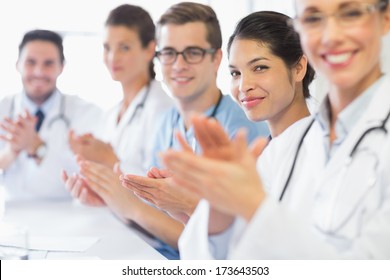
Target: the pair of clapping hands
(20, 133)
(101, 183)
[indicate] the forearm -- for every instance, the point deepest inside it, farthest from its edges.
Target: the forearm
(158, 224)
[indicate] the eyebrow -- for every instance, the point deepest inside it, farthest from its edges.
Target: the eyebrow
(315, 9)
(251, 62)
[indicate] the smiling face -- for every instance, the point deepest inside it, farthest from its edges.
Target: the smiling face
(261, 83)
(348, 56)
(39, 65)
(185, 81)
(124, 55)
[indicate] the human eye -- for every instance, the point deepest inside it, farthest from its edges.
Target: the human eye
(30, 62)
(235, 73)
(312, 19)
(124, 48)
(260, 68)
(351, 13)
(106, 47)
(49, 63)
(193, 52)
(167, 53)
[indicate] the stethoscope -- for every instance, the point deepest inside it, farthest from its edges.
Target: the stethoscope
(176, 121)
(140, 105)
(59, 117)
(381, 127)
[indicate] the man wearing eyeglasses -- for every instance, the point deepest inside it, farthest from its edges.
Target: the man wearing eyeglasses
(189, 40)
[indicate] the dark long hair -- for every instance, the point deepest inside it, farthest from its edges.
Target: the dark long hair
(134, 17)
(272, 30)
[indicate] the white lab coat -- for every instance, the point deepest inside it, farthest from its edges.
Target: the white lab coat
(24, 179)
(330, 209)
(133, 138)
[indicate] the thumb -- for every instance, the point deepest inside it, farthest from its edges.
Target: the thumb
(258, 146)
(64, 175)
(117, 168)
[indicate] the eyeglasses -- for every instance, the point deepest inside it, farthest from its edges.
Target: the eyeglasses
(350, 14)
(191, 55)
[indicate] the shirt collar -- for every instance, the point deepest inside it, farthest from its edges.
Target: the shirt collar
(45, 107)
(348, 117)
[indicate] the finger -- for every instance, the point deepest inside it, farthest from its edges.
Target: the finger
(64, 175)
(136, 188)
(144, 198)
(202, 132)
(258, 146)
(80, 159)
(240, 141)
(6, 138)
(97, 173)
(209, 133)
(117, 168)
(156, 173)
(145, 195)
(77, 188)
(89, 197)
(140, 180)
(153, 173)
(8, 127)
(188, 166)
(69, 183)
(71, 135)
(27, 114)
(183, 143)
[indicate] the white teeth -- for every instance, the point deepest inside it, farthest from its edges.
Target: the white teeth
(182, 79)
(338, 58)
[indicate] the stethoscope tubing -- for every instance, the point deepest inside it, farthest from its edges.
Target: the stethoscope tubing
(60, 116)
(381, 127)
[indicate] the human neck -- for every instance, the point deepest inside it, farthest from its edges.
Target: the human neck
(198, 104)
(293, 113)
(39, 100)
(130, 91)
(131, 88)
(340, 97)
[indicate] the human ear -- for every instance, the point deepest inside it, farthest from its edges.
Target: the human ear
(386, 19)
(300, 69)
(151, 49)
(217, 58)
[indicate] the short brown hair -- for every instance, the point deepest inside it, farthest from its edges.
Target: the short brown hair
(186, 12)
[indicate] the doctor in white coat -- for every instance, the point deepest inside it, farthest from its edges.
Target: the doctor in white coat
(328, 184)
(34, 149)
(126, 132)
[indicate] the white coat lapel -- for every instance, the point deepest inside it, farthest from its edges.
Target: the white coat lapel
(346, 183)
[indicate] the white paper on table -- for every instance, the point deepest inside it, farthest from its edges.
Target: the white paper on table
(62, 244)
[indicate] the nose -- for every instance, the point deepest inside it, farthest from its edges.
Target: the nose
(331, 32)
(112, 56)
(180, 63)
(246, 84)
(38, 70)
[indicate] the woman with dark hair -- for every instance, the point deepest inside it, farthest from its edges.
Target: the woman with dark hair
(129, 49)
(332, 198)
(128, 128)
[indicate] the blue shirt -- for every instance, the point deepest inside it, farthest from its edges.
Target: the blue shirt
(228, 114)
(346, 119)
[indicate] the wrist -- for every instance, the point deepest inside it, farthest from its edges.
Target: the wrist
(251, 207)
(35, 144)
(38, 152)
